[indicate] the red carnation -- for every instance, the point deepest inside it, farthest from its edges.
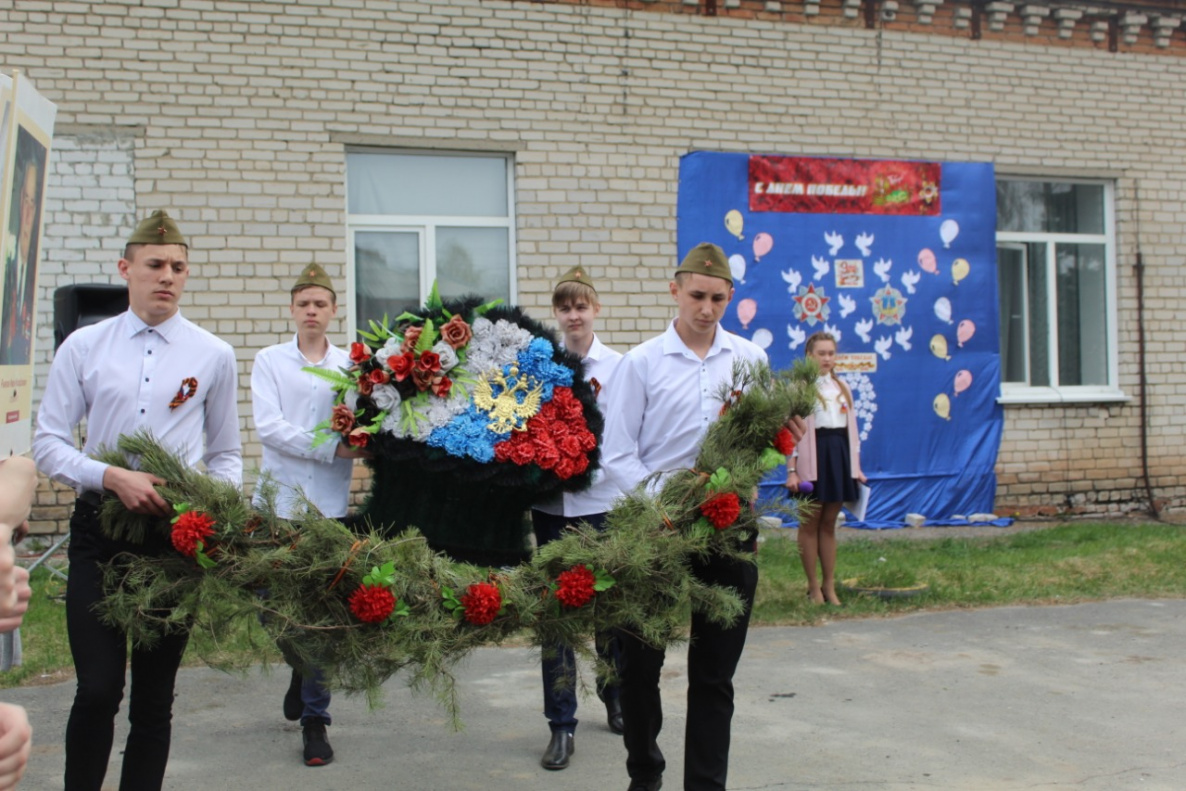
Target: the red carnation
(784, 442)
(565, 468)
(378, 377)
(456, 332)
(372, 603)
(570, 446)
(502, 451)
(588, 440)
(401, 365)
(481, 601)
(522, 453)
(722, 510)
(411, 335)
(359, 352)
(546, 453)
(575, 586)
(189, 529)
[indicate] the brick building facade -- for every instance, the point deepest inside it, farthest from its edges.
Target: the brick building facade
(238, 117)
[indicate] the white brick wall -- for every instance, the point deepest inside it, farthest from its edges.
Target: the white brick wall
(237, 116)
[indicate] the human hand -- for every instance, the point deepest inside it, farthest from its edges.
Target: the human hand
(136, 491)
(15, 594)
(16, 740)
(345, 451)
(792, 482)
(18, 483)
(798, 428)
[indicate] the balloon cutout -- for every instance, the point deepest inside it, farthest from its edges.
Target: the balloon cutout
(737, 266)
(939, 347)
(963, 380)
(965, 331)
(746, 310)
(942, 406)
(948, 231)
(734, 223)
(943, 309)
(763, 338)
(959, 270)
(927, 262)
(763, 243)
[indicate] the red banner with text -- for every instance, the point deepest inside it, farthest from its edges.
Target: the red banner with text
(844, 186)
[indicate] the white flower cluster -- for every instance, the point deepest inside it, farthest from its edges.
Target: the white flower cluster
(494, 345)
(866, 401)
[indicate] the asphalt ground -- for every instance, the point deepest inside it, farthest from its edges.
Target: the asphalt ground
(1085, 696)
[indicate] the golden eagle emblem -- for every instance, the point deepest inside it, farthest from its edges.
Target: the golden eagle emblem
(509, 400)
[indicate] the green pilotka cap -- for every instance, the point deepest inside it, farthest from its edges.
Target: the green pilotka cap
(158, 228)
(313, 275)
(578, 274)
(706, 259)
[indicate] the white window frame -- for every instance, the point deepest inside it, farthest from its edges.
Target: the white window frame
(1024, 393)
(426, 225)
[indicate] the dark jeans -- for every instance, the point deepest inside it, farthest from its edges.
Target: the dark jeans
(100, 659)
(559, 669)
(713, 653)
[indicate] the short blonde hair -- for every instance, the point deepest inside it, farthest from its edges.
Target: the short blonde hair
(570, 291)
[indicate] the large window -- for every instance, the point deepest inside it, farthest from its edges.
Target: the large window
(1056, 271)
(418, 217)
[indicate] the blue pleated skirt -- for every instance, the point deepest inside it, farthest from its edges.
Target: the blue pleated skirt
(833, 461)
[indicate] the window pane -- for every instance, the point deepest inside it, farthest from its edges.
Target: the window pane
(1082, 315)
(1053, 207)
(473, 261)
(387, 274)
(422, 184)
(1039, 314)
(1011, 277)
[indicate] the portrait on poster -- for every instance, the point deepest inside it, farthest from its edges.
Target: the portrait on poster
(20, 248)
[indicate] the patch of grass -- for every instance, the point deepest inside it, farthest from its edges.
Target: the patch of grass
(1064, 564)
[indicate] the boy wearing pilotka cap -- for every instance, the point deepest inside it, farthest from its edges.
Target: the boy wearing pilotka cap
(575, 306)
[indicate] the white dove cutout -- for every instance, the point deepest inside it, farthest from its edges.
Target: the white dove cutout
(863, 328)
(821, 267)
(902, 336)
(882, 267)
(834, 332)
(835, 242)
(793, 279)
(797, 336)
(910, 280)
(883, 346)
(847, 305)
(864, 243)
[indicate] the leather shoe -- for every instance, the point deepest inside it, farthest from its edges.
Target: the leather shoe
(559, 750)
(646, 785)
(613, 715)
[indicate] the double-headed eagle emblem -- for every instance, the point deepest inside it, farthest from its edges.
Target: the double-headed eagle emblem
(517, 400)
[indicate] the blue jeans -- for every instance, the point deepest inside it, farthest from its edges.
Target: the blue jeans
(314, 694)
(559, 669)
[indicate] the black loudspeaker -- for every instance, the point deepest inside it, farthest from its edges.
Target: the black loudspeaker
(83, 304)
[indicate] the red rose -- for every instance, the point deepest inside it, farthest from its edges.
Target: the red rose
(784, 442)
(342, 419)
(189, 529)
(372, 603)
(378, 377)
(722, 510)
(575, 586)
(481, 601)
(411, 335)
(359, 352)
(522, 453)
(365, 385)
(421, 378)
(401, 365)
(429, 361)
(456, 332)
(441, 385)
(358, 438)
(565, 469)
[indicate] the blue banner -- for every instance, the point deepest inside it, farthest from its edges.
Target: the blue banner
(902, 270)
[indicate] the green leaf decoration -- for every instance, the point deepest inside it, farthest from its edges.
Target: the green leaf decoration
(482, 310)
(372, 336)
(433, 303)
(602, 580)
(407, 316)
(720, 480)
(337, 378)
(179, 509)
(203, 559)
(383, 576)
(428, 337)
(771, 458)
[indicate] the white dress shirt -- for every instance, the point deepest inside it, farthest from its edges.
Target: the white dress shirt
(287, 403)
(598, 366)
(663, 401)
(121, 375)
(833, 411)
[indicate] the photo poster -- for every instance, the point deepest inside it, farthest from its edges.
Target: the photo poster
(28, 120)
(897, 260)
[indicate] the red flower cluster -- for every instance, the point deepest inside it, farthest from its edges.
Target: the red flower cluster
(575, 586)
(359, 352)
(372, 603)
(557, 438)
(481, 601)
(424, 369)
(190, 528)
(784, 441)
(722, 510)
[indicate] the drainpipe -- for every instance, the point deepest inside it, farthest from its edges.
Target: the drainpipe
(1139, 270)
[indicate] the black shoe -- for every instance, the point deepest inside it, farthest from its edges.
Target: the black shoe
(559, 750)
(317, 749)
(294, 707)
(613, 715)
(646, 785)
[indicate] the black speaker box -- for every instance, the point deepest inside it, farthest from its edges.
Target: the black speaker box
(83, 304)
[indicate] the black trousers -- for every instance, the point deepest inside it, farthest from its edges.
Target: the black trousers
(713, 654)
(100, 659)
